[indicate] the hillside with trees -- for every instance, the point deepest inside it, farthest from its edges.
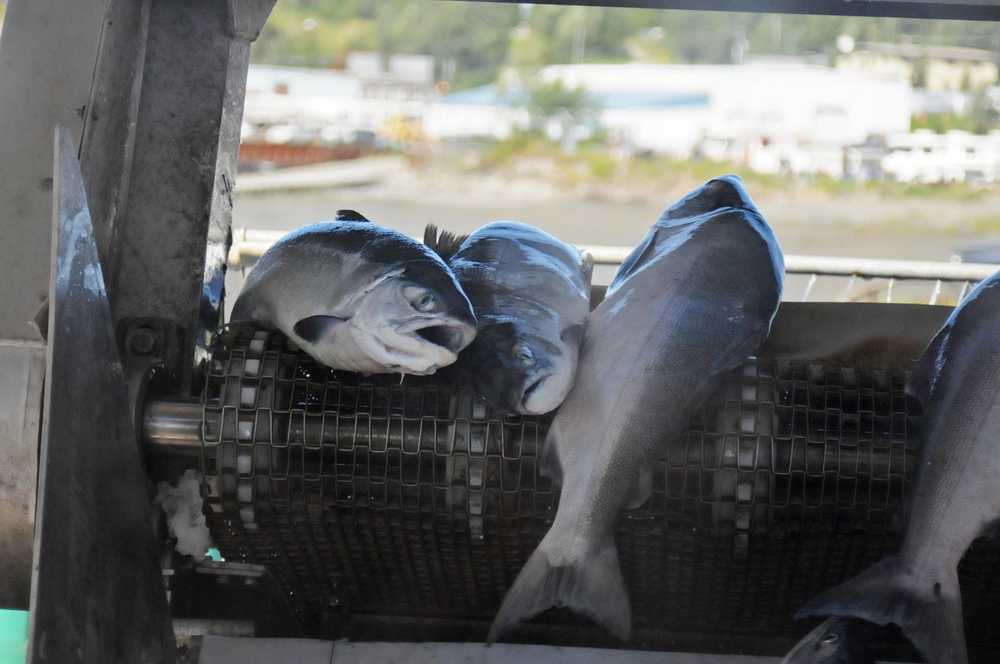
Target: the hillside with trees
(471, 42)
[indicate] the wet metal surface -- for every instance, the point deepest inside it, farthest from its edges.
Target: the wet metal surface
(47, 59)
(22, 368)
(168, 235)
(407, 509)
(97, 593)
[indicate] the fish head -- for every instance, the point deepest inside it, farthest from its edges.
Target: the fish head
(520, 370)
(413, 320)
(359, 297)
(834, 641)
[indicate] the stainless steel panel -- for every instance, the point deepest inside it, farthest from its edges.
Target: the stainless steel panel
(97, 593)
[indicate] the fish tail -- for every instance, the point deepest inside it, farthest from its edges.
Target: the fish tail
(927, 607)
(591, 585)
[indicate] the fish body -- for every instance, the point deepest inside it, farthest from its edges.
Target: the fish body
(531, 295)
(692, 302)
(956, 488)
(834, 641)
(359, 297)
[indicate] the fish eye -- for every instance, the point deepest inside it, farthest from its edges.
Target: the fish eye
(522, 353)
(425, 302)
(420, 299)
(829, 639)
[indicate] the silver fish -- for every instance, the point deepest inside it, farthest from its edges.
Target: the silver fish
(361, 298)
(692, 302)
(531, 295)
(956, 489)
(834, 641)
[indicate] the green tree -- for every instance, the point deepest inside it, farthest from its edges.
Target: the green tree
(528, 49)
(649, 46)
(920, 73)
(293, 36)
(983, 114)
(550, 99)
(966, 84)
(475, 36)
(481, 38)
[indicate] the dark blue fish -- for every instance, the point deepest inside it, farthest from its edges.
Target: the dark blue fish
(834, 641)
(691, 303)
(531, 295)
(359, 297)
(956, 489)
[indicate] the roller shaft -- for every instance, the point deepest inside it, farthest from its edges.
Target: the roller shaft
(173, 426)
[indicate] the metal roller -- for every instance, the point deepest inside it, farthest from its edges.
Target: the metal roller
(374, 497)
(173, 426)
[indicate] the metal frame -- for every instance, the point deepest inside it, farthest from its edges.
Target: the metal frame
(40, 87)
(157, 89)
(47, 66)
(971, 10)
(96, 587)
(168, 101)
(250, 244)
(22, 370)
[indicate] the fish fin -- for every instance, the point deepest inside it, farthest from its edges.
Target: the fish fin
(591, 585)
(587, 267)
(314, 328)
(643, 488)
(352, 215)
(922, 375)
(928, 610)
(431, 235)
(444, 243)
(244, 311)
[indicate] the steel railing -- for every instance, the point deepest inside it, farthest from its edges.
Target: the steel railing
(250, 244)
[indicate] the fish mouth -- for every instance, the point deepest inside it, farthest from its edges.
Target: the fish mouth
(537, 398)
(546, 389)
(528, 391)
(419, 345)
(450, 337)
(443, 337)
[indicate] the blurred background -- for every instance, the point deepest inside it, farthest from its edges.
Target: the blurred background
(860, 137)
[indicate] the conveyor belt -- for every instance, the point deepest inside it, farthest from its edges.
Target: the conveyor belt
(412, 501)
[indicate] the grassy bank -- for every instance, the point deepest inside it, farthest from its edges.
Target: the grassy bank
(594, 162)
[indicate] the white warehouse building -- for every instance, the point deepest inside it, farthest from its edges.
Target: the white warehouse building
(675, 109)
